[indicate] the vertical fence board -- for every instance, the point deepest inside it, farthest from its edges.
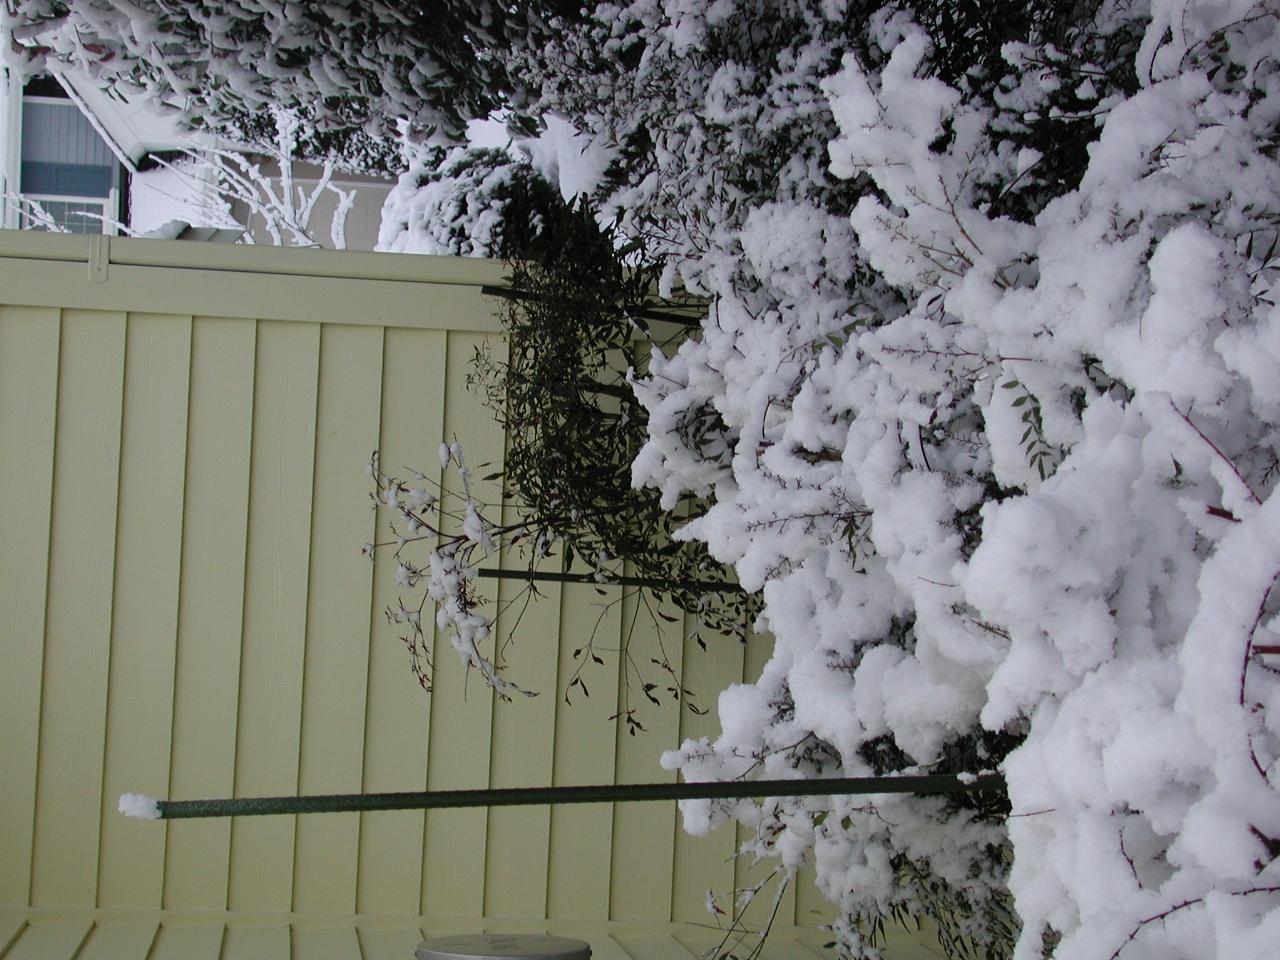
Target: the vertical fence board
(10, 930)
(59, 940)
(655, 948)
(642, 861)
(398, 711)
(812, 908)
(78, 635)
(585, 735)
(257, 943)
(275, 609)
(522, 750)
(783, 947)
(337, 652)
(704, 865)
(451, 926)
(327, 943)
(461, 705)
(713, 939)
(28, 409)
(604, 947)
(182, 942)
(145, 619)
(119, 941)
(396, 943)
(210, 606)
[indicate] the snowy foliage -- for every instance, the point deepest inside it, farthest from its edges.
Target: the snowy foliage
(355, 63)
(992, 357)
(698, 108)
(466, 203)
(459, 537)
(1004, 452)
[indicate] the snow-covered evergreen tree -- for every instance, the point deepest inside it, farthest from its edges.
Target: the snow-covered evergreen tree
(352, 63)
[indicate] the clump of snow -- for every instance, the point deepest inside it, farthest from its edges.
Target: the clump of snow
(139, 806)
(574, 161)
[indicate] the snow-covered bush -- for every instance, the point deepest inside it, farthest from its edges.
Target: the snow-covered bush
(354, 63)
(468, 203)
(1021, 481)
(703, 108)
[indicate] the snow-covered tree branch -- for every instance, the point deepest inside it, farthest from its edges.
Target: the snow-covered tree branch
(259, 191)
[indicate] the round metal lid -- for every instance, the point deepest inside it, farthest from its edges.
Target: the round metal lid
(513, 946)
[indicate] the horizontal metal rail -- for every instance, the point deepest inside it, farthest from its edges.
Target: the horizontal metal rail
(613, 793)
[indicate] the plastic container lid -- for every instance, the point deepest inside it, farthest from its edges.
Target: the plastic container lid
(514, 946)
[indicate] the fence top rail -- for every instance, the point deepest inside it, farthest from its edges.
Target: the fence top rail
(275, 261)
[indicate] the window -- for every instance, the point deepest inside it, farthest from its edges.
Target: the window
(70, 180)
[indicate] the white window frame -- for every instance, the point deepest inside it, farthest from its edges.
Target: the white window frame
(107, 204)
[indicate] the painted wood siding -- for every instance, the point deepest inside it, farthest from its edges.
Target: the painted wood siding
(55, 131)
(186, 612)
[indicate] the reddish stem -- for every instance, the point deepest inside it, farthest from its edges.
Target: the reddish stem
(1222, 456)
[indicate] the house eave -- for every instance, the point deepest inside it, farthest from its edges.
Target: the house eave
(130, 128)
(113, 144)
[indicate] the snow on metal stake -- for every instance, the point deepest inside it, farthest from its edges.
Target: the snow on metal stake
(146, 808)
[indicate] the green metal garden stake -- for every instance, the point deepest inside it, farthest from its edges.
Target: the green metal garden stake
(146, 808)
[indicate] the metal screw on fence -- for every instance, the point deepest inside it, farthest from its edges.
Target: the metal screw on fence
(146, 808)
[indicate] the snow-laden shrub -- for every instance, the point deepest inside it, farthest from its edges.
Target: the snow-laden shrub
(577, 304)
(710, 109)
(702, 106)
(353, 63)
(1025, 487)
(467, 203)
